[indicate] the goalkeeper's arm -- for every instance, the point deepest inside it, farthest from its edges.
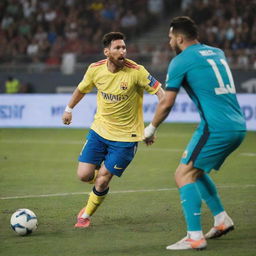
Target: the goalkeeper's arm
(162, 111)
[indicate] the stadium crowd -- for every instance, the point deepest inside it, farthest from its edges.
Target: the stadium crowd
(229, 25)
(33, 30)
(42, 31)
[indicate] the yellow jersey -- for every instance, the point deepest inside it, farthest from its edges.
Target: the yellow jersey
(119, 115)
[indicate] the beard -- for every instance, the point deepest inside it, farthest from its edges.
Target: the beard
(119, 62)
(176, 49)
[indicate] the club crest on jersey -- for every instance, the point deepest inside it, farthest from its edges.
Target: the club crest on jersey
(124, 86)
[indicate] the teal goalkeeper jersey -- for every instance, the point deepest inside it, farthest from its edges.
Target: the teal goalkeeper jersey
(205, 75)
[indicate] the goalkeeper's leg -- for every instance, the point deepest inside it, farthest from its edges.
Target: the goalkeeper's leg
(222, 222)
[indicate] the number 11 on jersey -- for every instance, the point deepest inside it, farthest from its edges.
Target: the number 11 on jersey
(223, 88)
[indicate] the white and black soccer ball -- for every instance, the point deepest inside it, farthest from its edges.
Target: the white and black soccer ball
(24, 222)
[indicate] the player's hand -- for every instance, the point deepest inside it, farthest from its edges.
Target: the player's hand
(149, 141)
(66, 118)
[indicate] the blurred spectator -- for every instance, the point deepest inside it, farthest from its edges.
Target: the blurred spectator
(129, 23)
(40, 34)
(155, 8)
(160, 58)
(33, 48)
(12, 85)
(27, 88)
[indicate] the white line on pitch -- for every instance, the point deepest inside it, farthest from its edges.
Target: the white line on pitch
(76, 142)
(119, 192)
(248, 154)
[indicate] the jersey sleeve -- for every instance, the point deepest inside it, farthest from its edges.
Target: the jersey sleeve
(86, 85)
(147, 81)
(175, 75)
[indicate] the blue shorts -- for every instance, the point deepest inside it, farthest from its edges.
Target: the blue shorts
(208, 151)
(116, 155)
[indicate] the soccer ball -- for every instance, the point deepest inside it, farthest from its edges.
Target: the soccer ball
(24, 222)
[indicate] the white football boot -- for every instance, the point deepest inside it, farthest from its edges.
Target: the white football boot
(222, 229)
(187, 243)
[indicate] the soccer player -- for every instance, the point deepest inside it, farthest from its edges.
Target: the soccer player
(118, 123)
(203, 72)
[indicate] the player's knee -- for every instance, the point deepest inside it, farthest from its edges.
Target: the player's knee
(83, 175)
(182, 177)
(178, 177)
(102, 183)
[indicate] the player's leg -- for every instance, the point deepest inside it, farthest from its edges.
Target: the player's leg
(90, 158)
(185, 177)
(210, 155)
(96, 197)
(87, 172)
(116, 161)
(222, 222)
(218, 147)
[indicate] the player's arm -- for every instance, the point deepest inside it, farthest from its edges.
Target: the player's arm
(174, 79)
(162, 111)
(76, 97)
(85, 86)
(160, 95)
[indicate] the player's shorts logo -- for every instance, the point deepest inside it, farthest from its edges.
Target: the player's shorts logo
(117, 167)
(184, 155)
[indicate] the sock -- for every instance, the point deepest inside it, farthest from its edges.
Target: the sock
(209, 194)
(219, 218)
(94, 201)
(191, 204)
(195, 235)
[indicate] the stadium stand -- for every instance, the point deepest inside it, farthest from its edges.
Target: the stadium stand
(41, 36)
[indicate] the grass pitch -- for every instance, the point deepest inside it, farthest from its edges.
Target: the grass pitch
(141, 215)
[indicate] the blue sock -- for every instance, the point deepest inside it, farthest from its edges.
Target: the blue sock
(209, 194)
(191, 204)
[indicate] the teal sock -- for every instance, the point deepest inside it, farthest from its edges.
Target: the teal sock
(191, 204)
(209, 194)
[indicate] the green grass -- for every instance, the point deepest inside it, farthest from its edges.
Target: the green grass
(43, 162)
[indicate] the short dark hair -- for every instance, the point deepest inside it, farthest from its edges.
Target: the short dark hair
(109, 37)
(186, 26)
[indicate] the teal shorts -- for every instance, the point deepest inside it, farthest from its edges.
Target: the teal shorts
(208, 151)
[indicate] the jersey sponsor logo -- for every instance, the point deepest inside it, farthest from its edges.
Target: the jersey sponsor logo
(117, 167)
(207, 52)
(124, 86)
(114, 98)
